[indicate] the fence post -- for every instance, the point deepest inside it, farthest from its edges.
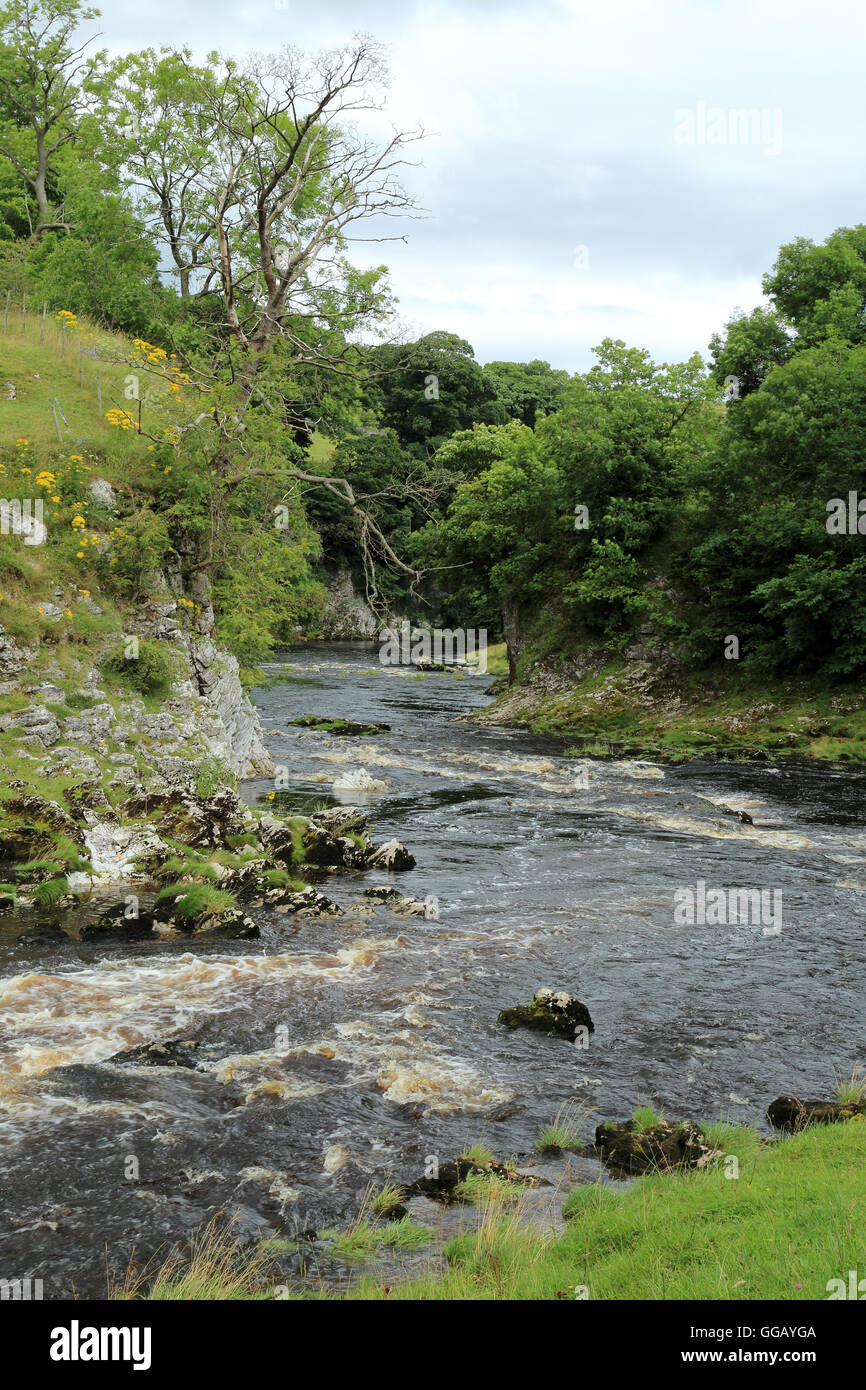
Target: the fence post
(6, 312)
(42, 329)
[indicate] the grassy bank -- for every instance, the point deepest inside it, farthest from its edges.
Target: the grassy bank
(623, 710)
(779, 1223)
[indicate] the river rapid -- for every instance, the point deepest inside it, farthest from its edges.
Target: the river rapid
(338, 1052)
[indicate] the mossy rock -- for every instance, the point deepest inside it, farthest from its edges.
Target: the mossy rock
(552, 1012)
(792, 1114)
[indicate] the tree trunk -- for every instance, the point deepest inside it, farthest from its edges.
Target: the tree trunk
(512, 638)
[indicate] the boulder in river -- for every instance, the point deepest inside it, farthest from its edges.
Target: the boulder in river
(391, 856)
(553, 1012)
(345, 728)
(158, 1054)
(114, 925)
(791, 1113)
(662, 1147)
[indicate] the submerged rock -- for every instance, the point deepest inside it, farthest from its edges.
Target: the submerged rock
(43, 934)
(663, 1147)
(791, 1113)
(346, 728)
(114, 925)
(553, 1012)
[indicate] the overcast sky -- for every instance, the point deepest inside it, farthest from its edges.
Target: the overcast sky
(583, 173)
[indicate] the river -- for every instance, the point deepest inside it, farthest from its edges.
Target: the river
(338, 1052)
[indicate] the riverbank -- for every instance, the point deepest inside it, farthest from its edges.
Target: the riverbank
(634, 709)
(781, 1219)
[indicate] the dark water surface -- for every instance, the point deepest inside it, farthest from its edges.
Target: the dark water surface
(338, 1052)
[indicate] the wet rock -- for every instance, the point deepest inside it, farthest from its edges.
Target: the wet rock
(663, 1147)
(410, 907)
(342, 820)
(321, 848)
(791, 1113)
(232, 924)
(42, 935)
(553, 1012)
(114, 925)
(158, 1054)
(308, 903)
(248, 882)
(384, 895)
(202, 823)
(441, 1187)
(88, 802)
(391, 856)
(276, 838)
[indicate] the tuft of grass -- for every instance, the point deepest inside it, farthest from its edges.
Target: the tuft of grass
(215, 1267)
(645, 1117)
(851, 1090)
(488, 1189)
(477, 1153)
(364, 1238)
(563, 1132)
(192, 899)
(49, 893)
(388, 1197)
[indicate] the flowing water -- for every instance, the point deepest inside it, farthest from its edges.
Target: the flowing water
(335, 1052)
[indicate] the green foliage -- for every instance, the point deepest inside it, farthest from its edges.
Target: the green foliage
(139, 546)
(190, 900)
(151, 672)
(49, 893)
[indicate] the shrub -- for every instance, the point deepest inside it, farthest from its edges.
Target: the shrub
(151, 671)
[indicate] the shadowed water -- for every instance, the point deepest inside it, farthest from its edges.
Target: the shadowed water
(338, 1052)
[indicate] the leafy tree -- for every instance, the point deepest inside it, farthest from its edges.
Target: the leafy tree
(822, 289)
(753, 344)
(767, 569)
(44, 79)
(526, 390)
(427, 390)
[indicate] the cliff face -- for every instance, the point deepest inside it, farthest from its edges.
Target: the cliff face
(205, 715)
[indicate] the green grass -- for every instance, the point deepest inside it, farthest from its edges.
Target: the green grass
(365, 1237)
(49, 893)
(191, 899)
(477, 1153)
(645, 1117)
(793, 1219)
(488, 1189)
(721, 713)
(851, 1089)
